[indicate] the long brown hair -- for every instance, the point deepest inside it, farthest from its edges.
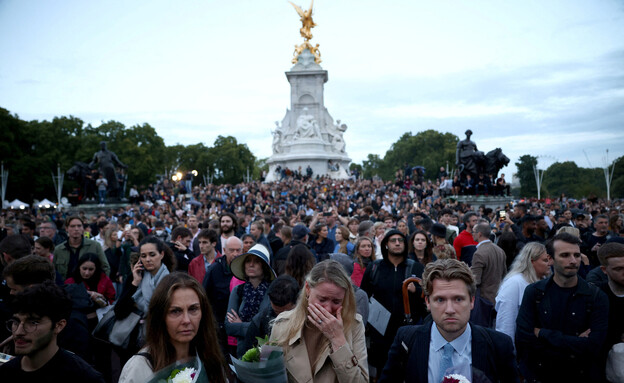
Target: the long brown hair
(428, 256)
(205, 342)
(345, 239)
(356, 252)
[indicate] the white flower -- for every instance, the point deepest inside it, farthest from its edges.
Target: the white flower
(184, 376)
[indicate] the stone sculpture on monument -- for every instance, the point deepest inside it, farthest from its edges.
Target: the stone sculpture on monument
(307, 136)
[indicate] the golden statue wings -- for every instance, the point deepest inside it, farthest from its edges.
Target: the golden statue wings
(306, 20)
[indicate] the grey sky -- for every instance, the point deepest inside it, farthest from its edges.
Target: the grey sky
(531, 77)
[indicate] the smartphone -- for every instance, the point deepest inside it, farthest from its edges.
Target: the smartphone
(502, 215)
(119, 234)
(415, 204)
(127, 227)
(327, 214)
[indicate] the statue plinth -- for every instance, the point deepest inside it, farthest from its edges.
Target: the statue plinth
(308, 135)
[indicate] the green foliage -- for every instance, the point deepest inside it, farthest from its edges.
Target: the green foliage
(230, 160)
(569, 179)
(526, 175)
(429, 148)
(31, 151)
(372, 166)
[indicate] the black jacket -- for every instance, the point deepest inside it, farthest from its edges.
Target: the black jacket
(217, 286)
(541, 358)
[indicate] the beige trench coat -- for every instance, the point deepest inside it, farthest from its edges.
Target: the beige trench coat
(347, 364)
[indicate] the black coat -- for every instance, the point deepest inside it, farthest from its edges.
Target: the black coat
(217, 286)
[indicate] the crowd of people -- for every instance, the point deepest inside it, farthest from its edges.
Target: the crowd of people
(533, 289)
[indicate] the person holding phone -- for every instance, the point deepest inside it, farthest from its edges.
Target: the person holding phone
(156, 261)
(323, 336)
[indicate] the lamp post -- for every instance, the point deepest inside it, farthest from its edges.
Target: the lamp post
(5, 178)
(608, 173)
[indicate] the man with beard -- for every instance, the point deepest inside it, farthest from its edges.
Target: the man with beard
(40, 314)
(383, 280)
(425, 353)
(227, 226)
(562, 321)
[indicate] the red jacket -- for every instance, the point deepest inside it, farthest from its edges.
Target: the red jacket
(104, 287)
(463, 239)
(196, 267)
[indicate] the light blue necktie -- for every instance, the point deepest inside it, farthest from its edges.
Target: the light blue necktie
(447, 360)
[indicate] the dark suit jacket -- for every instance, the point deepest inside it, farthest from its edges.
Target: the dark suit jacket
(492, 354)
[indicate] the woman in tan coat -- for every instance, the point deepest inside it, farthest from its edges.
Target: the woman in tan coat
(323, 336)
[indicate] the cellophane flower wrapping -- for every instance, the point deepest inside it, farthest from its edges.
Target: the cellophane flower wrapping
(270, 368)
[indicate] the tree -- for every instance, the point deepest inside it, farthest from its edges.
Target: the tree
(430, 149)
(371, 166)
(230, 160)
(526, 175)
(567, 178)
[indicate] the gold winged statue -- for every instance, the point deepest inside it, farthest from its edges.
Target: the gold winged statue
(306, 32)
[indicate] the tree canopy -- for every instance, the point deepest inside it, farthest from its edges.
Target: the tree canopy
(31, 151)
(429, 148)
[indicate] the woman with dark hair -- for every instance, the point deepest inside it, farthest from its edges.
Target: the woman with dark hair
(299, 262)
(248, 242)
(323, 336)
(247, 299)
(319, 242)
(364, 254)
(615, 225)
(420, 248)
(89, 272)
(343, 246)
(180, 327)
(156, 261)
(44, 247)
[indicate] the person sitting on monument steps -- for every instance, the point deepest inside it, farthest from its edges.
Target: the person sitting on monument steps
(425, 353)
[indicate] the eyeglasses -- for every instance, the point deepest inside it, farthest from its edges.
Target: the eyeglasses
(28, 325)
(396, 239)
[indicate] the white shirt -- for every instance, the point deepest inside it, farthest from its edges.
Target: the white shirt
(508, 303)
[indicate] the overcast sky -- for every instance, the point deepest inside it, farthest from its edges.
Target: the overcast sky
(532, 77)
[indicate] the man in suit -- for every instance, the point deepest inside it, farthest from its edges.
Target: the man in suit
(425, 353)
(488, 263)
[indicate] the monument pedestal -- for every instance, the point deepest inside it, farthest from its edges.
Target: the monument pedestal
(307, 135)
(492, 202)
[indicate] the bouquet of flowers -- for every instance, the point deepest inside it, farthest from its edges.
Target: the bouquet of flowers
(191, 372)
(264, 363)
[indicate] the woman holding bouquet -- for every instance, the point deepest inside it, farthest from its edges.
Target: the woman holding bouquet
(323, 336)
(180, 333)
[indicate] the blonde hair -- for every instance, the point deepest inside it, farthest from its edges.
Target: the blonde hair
(327, 271)
(570, 230)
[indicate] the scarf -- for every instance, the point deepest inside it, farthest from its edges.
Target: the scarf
(253, 298)
(143, 295)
